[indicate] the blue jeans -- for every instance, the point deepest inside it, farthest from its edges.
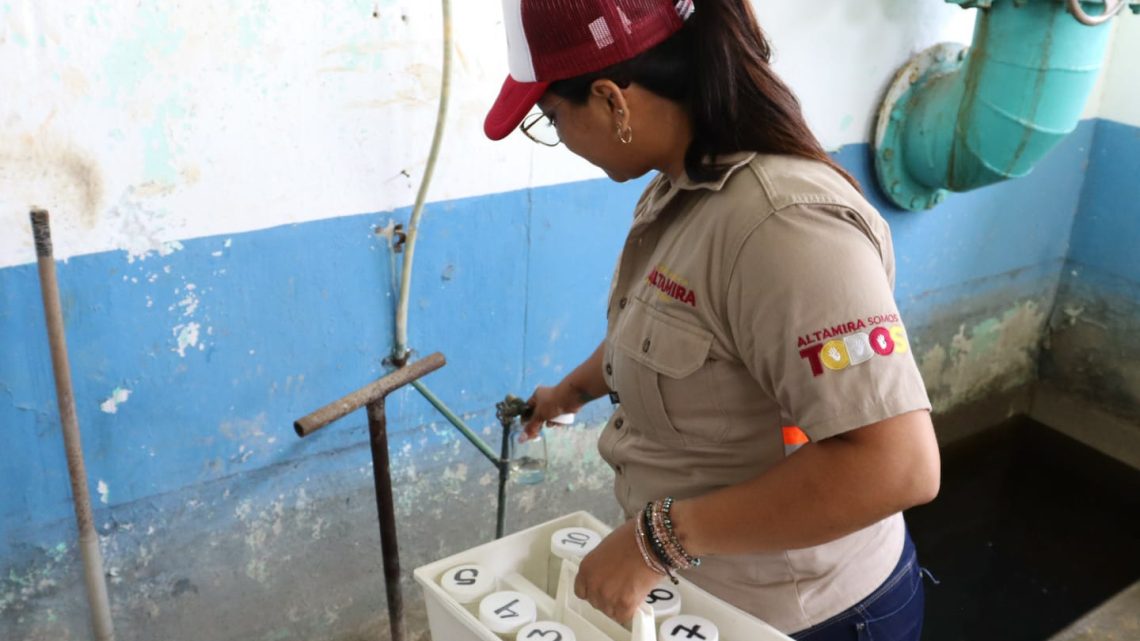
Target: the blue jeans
(893, 612)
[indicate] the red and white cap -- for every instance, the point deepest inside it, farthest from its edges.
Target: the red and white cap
(549, 40)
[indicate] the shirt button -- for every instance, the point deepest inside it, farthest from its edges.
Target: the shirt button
(645, 346)
(622, 302)
(618, 423)
(609, 369)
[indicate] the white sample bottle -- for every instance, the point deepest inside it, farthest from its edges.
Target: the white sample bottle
(505, 612)
(664, 600)
(468, 584)
(687, 627)
(568, 543)
(546, 631)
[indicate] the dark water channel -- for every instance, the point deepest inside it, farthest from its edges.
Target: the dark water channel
(1032, 529)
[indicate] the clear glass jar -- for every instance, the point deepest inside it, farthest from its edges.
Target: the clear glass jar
(527, 458)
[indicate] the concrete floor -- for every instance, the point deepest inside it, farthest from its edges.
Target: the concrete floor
(1118, 619)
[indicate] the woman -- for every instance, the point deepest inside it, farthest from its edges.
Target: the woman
(770, 422)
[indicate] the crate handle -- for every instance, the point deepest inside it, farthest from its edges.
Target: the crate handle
(642, 628)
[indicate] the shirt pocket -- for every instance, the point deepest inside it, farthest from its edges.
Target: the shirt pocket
(667, 388)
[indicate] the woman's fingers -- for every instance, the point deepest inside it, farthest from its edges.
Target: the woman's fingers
(533, 428)
(544, 412)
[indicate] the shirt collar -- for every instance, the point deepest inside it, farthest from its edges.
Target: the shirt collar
(661, 190)
(732, 163)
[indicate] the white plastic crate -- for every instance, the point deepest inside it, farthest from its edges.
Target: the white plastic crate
(520, 563)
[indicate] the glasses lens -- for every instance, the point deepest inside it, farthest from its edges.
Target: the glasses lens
(540, 129)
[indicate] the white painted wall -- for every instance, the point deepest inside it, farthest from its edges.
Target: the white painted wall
(1121, 98)
(143, 123)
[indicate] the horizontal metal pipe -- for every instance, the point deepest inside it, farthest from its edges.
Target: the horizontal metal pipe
(458, 423)
(369, 393)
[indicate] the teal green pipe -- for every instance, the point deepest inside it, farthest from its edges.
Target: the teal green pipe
(457, 422)
(992, 112)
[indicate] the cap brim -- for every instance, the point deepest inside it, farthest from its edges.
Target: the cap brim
(515, 101)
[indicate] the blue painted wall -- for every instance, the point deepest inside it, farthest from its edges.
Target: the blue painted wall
(1095, 329)
(1106, 232)
(511, 287)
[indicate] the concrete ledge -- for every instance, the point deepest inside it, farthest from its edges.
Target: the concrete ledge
(1117, 619)
(1101, 430)
(976, 417)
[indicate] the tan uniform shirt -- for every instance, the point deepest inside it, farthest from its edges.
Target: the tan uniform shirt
(741, 308)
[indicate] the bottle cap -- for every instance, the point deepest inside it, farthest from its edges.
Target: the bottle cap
(506, 612)
(664, 600)
(546, 631)
(467, 583)
(687, 627)
(574, 542)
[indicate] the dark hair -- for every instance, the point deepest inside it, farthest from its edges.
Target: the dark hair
(717, 66)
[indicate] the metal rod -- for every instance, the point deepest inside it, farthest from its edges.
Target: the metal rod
(88, 540)
(385, 508)
(457, 422)
(379, 389)
(504, 476)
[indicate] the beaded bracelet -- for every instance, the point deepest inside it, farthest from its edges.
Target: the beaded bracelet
(658, 526)
(666, 506)
(677, 559)
(653, 542)
(639, 534)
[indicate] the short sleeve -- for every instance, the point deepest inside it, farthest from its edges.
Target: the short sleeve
(811, 310)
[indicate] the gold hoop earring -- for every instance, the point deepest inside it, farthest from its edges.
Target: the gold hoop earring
(625, 135)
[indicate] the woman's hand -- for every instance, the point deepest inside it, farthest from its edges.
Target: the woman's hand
(551, 402)
(614, 577)
(579, 387)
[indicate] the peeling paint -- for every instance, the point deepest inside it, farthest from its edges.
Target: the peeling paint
(118, 396)
(138, 226)
(995, 354)
(1092, 348)
(285, 522)
(263, 531)
(189, 302)
(186, 337)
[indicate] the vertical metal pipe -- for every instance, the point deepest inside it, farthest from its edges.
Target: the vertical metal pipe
(400, 352)
(88, 540)
(382, 474)
(504, 476)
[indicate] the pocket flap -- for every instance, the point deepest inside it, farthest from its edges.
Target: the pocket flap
(667, 345)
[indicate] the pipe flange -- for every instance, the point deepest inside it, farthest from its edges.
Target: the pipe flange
(890, 164)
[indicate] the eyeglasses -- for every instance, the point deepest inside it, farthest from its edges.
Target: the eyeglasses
(541, 129)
